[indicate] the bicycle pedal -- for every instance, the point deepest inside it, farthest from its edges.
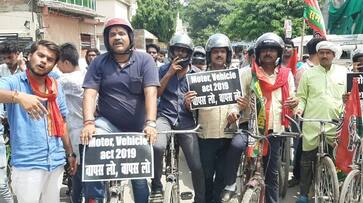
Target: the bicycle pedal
(186, 195)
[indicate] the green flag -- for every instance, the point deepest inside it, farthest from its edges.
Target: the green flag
(313, 17)
(346, 17)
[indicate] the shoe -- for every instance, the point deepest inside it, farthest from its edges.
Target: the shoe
(156, 196)
(302, 199)
(227, 195)
(292, 182)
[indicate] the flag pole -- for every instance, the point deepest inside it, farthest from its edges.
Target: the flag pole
(302, 41)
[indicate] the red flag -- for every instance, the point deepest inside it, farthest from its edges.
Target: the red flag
(351, 129)
(293, 62)
(313, 16)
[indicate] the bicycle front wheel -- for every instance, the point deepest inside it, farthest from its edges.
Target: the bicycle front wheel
(252, 195)
(327, 181)
(351, 192)
(170, 193)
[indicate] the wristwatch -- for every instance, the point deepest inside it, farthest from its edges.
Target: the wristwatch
(150, 123)
(71, 155)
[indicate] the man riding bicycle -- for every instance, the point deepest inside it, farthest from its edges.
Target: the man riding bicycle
(213, 141)
(274, 88)
(172, 114)
(126, 81)
(320, 94)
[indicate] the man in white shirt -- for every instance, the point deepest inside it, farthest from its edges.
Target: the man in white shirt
(13, 59)
(71, 81)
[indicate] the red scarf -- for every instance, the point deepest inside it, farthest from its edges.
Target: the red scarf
(267, 89)
(55, 119)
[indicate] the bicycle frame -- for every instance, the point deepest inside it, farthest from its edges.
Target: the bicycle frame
(172, 167)
(322, 151)
(357, 162)
(172, 163)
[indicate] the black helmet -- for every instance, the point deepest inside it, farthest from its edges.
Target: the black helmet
(218, 41)
(269, 40)
(180, 40)
(358, 53)
(251, 50)
(198, 55)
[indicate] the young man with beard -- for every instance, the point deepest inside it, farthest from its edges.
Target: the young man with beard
(39, 141)
(172, 114)
(13, 59)
(126, 81)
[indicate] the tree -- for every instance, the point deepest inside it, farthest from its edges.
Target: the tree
(156, 16)
(255, 17)
(203, 17)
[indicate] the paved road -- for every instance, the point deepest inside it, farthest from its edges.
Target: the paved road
(186, 186)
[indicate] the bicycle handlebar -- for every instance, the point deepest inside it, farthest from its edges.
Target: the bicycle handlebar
(282, 134)
(317, 120)
(194, 130)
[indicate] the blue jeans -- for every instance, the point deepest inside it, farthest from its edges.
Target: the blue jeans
(213, 158)
(189, 144)
(234, 153)
(96, 190)
(77, 185)
(5, 194)
(271, 165)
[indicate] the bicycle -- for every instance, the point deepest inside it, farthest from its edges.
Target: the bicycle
(285, 167)
(115, 188)
(325, 178)
(172, 190)
(352, 188)
(252, 182)
(115, 191)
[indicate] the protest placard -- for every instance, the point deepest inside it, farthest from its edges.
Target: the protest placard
(117, 156)
(215, 88)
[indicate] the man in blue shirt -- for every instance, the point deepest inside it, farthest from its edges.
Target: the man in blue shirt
(172, 114)
(36, 109)
(126, 81)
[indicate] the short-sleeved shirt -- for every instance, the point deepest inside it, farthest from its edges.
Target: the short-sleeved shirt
(5, 71)
(31, 145)
(171, 103)
(121, 90)
(73, 91)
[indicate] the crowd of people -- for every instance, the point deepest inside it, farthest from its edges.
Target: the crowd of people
(52, 115)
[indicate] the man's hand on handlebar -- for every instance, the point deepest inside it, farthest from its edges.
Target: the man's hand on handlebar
(150, 134)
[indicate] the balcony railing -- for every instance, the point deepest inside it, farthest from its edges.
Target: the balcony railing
(82, 7)
(85, 3)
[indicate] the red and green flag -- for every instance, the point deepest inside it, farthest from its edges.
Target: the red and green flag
(313, 17)
(350, 131)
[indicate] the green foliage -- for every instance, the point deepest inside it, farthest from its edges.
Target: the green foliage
(242, 19)
(203, 17)
(157, 16)
(255, 17)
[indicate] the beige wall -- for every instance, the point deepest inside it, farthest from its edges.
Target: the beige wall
(61, 29)
(13, 22)
(112, 9)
